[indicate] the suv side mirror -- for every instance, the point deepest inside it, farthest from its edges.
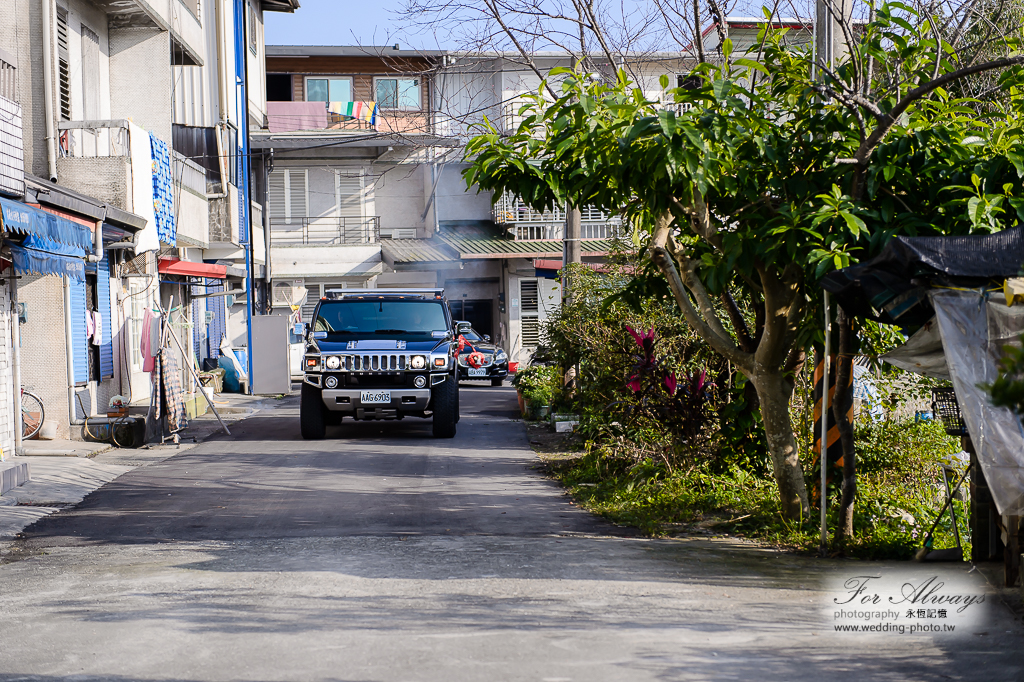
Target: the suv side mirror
(487, 338)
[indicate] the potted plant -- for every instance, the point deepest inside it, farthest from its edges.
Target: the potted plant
(535, 390)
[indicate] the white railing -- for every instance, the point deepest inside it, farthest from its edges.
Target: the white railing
(188, 173)
(328, 230)
(524, 222)
(610, 230)
(94, 138)
(256, 214)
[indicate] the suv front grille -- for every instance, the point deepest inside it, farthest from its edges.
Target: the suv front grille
(375, 362)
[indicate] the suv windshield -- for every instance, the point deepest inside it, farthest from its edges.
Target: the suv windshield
(381, 317)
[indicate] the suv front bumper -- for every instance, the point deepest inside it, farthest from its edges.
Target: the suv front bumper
(402, 399)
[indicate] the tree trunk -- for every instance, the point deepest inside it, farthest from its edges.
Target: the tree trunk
(774, 391)
(840, 410)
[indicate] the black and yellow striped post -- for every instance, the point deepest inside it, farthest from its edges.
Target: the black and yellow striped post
(834, 452)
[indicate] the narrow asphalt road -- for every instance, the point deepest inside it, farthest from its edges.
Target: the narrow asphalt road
(384, 554)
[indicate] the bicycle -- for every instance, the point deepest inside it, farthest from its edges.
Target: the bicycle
(32, 414)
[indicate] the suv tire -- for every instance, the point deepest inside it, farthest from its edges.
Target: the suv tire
(445, 399)
(311, 413)
(497, 382)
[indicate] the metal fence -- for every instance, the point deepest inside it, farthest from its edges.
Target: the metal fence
(332, 230)
(510, 209)
(611, 230)
(94, 138)
(188, 173)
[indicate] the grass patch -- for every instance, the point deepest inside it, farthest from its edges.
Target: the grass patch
(899, 493)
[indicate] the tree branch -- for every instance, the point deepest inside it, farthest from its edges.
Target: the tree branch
(663, 260)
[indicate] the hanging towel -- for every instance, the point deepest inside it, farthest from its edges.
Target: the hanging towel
(90, 325)
(142, 187)
(361, 111)
(147, 345)
(97, 328)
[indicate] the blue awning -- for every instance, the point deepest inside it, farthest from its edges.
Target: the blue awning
(24, 219)
(41, 256)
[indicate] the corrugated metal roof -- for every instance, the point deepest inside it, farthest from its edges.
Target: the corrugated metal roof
(415, 251)
(509, 248)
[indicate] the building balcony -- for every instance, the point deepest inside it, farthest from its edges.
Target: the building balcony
(95, 159)
(328, 231)
(318, 117)
(524, 223)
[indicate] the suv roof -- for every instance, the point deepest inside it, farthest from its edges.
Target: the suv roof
(339, 294)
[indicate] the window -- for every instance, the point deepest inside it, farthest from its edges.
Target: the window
(288, 196)
(253, 38)
(139, 299)
(398, 93)
(529, 301)
(329, 89)
(381, 317)
(63, 65)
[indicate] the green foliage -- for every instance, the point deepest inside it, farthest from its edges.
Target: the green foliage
(899, 494)
(538, 384)
(590, 331)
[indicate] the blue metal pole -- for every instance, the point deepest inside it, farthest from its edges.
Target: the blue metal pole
(241, 81)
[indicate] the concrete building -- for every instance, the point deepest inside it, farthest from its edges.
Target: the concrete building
(137, 116)
(385, 194)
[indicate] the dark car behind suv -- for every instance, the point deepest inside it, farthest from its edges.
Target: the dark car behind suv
(380, 354)
(494, 367)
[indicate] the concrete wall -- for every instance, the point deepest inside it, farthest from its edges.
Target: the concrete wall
(325, 261)
(193, 216)
(455, 202)
(400, 196)
(106, 178)
(140, 78)
(21, 33)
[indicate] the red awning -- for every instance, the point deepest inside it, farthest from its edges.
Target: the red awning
(176, 266)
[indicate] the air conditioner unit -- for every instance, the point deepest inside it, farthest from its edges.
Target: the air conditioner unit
(288, 294)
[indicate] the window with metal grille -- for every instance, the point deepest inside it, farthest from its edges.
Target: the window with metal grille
(528, 298)
(288, 196)
(531, 332)
(63, 65)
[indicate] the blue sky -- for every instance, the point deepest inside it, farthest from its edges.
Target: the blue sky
(344, 22)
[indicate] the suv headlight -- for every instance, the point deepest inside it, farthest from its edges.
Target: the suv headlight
(333, 362)
(418, 362)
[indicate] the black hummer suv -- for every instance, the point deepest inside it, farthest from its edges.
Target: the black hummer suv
(380, 354)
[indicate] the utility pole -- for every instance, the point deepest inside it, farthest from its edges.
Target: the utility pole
(572, 251)
(829, 38)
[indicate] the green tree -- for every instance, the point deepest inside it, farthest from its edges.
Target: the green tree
(762, 179)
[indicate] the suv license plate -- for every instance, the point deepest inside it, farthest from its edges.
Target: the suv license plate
(375, 397)
(477, 372)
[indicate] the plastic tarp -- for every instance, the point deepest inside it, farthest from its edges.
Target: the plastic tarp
(922, 353)
(893, 287)
(41, 256)
(21, 218)
(974, 328)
